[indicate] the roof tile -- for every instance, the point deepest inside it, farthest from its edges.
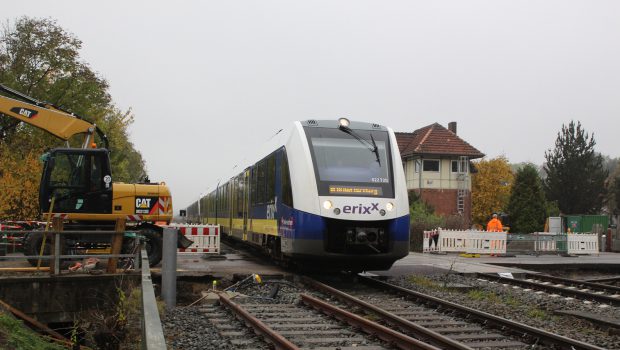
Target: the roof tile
(434, 139)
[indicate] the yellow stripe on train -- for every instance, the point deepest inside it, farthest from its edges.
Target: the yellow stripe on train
(265, 226)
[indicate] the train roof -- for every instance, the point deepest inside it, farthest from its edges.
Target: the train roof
(280, 138)
(334, 123)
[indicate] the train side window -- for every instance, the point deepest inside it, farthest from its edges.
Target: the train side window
(253, 185)
(226, 198)
(260, 187)
(271, 179)
(228, 186)
(235, 197)
(287, 193)
(219, 201)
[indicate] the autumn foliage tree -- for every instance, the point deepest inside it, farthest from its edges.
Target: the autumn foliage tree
(42, 60)
(527, 205)
(575, 173)
(19, 184)
(491, 187)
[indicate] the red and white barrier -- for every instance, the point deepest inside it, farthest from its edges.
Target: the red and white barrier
(206, 238)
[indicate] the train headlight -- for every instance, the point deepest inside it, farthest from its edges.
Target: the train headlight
(327, 204)
(382, 212)
(344, 122)
(389, 206)
(337, 211)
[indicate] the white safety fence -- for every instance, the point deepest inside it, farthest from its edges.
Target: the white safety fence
(206, 238)
(571, 243)
(582, 243)
(464, 241)
(482, 242)
(546, 242)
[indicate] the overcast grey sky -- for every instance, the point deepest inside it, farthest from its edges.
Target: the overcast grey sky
(210, 80)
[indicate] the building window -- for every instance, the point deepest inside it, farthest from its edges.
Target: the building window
(463, 166)
(416, 165)
(431, 165)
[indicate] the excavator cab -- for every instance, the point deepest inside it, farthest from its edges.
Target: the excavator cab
(79, 180)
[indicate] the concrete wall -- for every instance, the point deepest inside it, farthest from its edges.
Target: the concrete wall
(59, 299)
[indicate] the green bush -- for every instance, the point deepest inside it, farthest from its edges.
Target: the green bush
(422, 218)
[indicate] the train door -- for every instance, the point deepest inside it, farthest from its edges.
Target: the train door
(246, 202)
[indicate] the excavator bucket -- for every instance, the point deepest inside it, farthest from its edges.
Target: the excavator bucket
(182, 241)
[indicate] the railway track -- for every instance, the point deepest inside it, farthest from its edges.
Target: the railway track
(614, 280)
(310, 324)
(582, 290)
(439, 322)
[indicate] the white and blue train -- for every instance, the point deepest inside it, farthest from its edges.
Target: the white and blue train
(326, 193)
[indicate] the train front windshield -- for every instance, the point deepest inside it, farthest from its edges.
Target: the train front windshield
(355, 163)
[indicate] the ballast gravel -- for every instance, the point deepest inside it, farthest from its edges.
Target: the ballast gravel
(189, 328)
(518, 304)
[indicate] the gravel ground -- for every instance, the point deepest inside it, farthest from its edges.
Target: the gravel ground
(189, 328)
(270, 291)
(536, 310)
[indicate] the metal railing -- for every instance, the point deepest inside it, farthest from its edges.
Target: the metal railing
(56, 255)
(152, 331)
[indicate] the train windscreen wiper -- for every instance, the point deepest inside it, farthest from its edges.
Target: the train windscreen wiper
(372, 146)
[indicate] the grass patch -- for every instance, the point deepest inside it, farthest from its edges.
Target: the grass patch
(14, 335)
(477, 294)
(512, 301)
(537, 313)
(423, 281)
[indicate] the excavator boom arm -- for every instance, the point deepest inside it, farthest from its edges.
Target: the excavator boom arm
(46, 117)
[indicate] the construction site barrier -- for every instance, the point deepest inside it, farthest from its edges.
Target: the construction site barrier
(482, 242)
(431, 241)
(582, 243)
(537, 243)
(548, 242)
(464, 241)
(206, 238)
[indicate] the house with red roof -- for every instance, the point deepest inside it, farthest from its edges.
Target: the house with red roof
(437, 167)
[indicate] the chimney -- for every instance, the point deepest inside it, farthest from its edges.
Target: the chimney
(452, 127)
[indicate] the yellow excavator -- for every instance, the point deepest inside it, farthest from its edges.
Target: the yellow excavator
(77, 183)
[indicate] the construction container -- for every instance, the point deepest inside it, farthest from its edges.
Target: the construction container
(595, 223)
(587, 223)
(573, 223)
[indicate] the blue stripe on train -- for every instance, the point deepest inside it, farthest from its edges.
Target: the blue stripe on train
(297, 224)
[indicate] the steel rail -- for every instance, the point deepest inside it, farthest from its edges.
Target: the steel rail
(592, 285)
(559, 290)
(502, 323)
(278, 341)
(398, 339)
(432, 337)
(604, 279)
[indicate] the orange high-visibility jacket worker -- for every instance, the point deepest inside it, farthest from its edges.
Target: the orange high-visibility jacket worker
(495, 225)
